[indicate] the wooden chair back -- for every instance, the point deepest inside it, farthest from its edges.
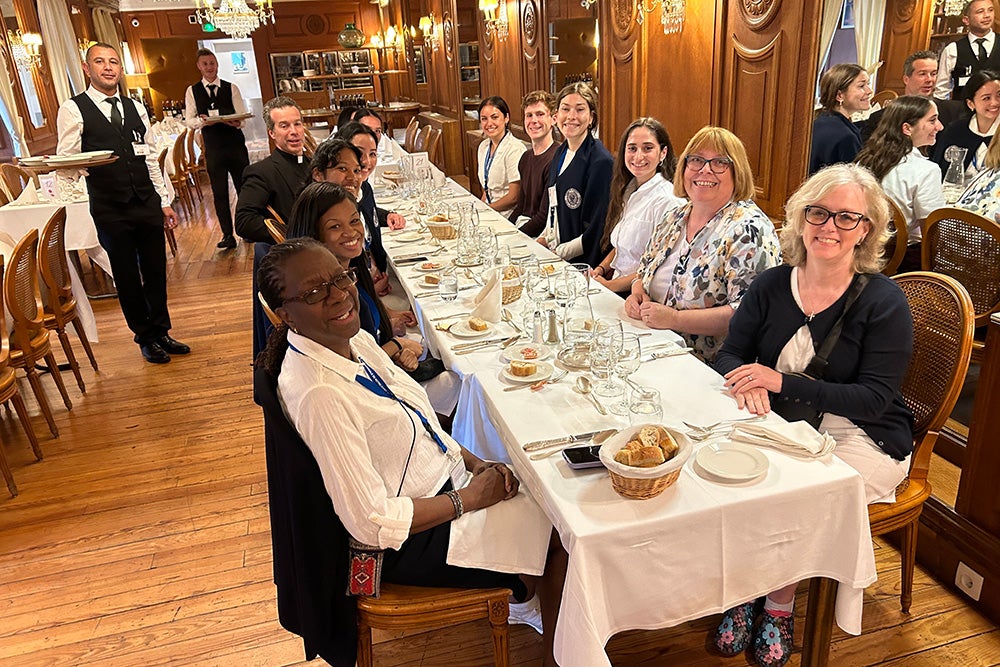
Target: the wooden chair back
(410, 139)
(276, 216)
(433, 143)
(180, 156)
(276, 229)
(190, 155)
(161, 160)
(16, 179)
(54, 266)
(4, 199)
(271, 315)
(24, 300)
(422, 137)
(965, 246)
(884, 97)
(309, 142)
(895, 249)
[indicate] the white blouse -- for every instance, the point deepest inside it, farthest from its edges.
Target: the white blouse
(361, 442)
(503, 169)
(644, 208)
(915, 185)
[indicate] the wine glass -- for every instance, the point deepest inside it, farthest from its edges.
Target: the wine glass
(627, 362)
(565, 287)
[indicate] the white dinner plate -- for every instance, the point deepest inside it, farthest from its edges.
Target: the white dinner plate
(542, 372)
(462, 330)
(516, 352)
(64, 159)
(424, 283)
(437, 267)
(520, 253)
(32, 161)
(407, 237)
(732, 461)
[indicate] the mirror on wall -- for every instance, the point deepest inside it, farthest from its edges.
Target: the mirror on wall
(25, 74)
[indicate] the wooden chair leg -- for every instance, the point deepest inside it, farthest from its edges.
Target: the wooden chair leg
(908, 554)
(74, 366)
(43, 402)
(50, 361)
(82, 335)
(364, 645)
(29, 430)
(7, 474)
(499, 611)
(171, 241)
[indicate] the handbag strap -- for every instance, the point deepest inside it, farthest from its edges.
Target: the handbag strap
(817, 366)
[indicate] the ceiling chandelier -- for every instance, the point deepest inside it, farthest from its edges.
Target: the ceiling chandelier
(953, 7)
(25, 48)
(672, 16)
(235, 17)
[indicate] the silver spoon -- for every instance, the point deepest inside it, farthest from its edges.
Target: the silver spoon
(509, 319)
(583, 387)
(597, 440)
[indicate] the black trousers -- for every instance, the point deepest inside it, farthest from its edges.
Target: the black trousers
(221, 163)
(133, 236)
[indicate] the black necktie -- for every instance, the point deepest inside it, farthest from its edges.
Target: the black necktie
(982, 49)
(116, 115)
(211, 90)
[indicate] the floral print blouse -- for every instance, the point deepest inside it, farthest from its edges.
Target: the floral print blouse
(983, 194)
(718, 265)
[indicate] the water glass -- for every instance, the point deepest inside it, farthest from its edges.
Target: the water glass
(565, 287)
(536, 285)
(488, 248)
(645, 406)
(448, 287)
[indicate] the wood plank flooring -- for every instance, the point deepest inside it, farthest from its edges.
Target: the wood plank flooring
(142, 537)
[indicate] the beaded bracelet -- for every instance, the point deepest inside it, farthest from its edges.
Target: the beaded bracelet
(456, 500)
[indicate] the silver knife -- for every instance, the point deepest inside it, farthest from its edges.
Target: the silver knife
(667, 353)
(479, 343)
(542, 444)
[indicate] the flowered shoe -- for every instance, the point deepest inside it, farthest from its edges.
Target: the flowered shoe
(734, 631)
(772, 642)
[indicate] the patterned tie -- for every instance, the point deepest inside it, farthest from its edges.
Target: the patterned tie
(116, 115)
(982, 49)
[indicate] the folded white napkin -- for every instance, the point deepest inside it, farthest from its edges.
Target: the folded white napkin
(489, 301)
(28, 196)
(796, 438)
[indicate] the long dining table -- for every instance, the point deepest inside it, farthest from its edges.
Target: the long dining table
(700, 547)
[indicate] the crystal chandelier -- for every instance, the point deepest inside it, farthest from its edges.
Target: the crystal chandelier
(672, 17)
(953, 7)
(25, 48)
(235, 17)
(496, 18)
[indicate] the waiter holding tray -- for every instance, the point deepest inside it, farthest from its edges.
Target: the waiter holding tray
(225, 146)
(128, 201)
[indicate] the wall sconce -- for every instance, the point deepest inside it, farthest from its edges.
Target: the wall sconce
(83, 45)
(496, 18)
(428, 26)
(672, 16)
(953, 7)
(25, 48)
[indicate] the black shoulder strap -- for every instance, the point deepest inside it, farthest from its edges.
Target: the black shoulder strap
(817, 367)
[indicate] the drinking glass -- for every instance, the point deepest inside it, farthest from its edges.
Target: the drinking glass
(488, 248)
(566, 286)
(645, 406)
(626, 363)
(448, 287)
(536, 285)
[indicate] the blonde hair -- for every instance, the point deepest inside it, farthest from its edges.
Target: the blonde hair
(725, 142)
(868, 255)
(992, 160)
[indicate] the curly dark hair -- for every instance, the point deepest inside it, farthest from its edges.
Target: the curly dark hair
(327, 154)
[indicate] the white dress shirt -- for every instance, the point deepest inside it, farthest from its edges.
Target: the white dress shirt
(915, 185)
(946, 63)
(69, 124)
(191, 118)
(361, 442)
(643, 209)
(503, 169)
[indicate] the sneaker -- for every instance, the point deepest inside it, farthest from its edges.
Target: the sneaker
(527, 613)
(772, 642)
(735, 629)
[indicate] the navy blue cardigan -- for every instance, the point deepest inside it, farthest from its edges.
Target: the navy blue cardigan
(835, 139)
(866, 368)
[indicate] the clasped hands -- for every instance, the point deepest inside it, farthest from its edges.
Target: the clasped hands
(492, 483)
(751, 384)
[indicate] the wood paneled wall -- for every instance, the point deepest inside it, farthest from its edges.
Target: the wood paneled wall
(907, 26)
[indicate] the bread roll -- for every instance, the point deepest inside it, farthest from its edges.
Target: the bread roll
(643, 457)
(650, 446)
(478, 324)
(432, 279)
(523, 368)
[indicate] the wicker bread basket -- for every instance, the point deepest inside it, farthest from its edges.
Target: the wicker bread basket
(643, 483)
(512, 287)
(442, 230)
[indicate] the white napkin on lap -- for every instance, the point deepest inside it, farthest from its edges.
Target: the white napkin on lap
(489, 301)
(796, 438)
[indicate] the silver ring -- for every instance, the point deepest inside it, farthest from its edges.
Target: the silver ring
(750, 378)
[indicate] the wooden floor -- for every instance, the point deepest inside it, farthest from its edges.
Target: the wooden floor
(142, 537)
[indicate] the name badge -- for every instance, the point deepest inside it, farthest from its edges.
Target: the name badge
(213, 113)
(140, 149)
(962, 80)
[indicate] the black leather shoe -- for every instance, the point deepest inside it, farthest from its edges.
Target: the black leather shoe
(172, 346)
(154, 353)
(226, 242)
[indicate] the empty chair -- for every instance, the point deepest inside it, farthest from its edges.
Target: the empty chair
(433, 142)
(179, 177)
(422, 137)
(942, 343)
(196, 164)
(29, 341)
(9, 392)
(410, 139)
(16, 179)
(61, 308)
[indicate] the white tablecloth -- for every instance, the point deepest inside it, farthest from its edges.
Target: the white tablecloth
(697, 549)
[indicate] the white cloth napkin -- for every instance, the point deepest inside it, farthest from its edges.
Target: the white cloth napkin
(795, 438)
(28, 196)
(489, 301)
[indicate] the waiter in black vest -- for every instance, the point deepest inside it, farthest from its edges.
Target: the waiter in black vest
(128, 201)
(976, 51)
(225, 146)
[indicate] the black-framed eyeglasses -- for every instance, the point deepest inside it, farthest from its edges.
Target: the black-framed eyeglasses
(718, 165)
(846, 220)
(342, 281)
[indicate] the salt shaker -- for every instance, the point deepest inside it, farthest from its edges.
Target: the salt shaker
(537, 328)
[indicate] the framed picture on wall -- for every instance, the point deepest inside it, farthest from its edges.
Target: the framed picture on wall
(240, 63)
(847, 17)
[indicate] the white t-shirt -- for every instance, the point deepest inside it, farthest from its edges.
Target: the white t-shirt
(503, 168)
(915, 185)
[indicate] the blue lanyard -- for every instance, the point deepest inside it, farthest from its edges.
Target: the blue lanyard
(375, 384)
(490, 156)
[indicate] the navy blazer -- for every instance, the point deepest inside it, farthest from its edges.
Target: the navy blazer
(583, 191)
(374, 218)
(958, 134)
(835, 139)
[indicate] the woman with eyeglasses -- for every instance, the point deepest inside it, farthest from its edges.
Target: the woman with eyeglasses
(328, 213)
(433, 513)
(833, 240)
(642, 191)
(703, 256)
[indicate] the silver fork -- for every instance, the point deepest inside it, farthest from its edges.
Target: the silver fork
(559, 375)
(724, 422)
